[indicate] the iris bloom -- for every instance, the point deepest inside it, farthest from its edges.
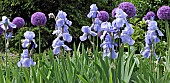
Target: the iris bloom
(29, 37)
(120, 18)
(108, 47)
(93, 11)
(57, 44)
(125, 35)
(9, 35)
(62, 23)
(25, 61)
(97, 25)
(151, 38)
(147, 52)
(86, 33)
(6, 24)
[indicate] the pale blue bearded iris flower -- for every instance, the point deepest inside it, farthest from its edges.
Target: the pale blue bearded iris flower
(57, 44)
(108, 47)
(151, 38)
(6, 24)
(29, 36)
(25, 61)
(93, 11)
(62, 26)
(86, 33)
(97, 25)
(125, 35)
(9, 35)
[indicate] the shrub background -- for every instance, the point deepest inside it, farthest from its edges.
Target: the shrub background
(77, 11)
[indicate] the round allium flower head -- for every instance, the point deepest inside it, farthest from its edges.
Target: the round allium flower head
(38, 19)
(19, 22)
(103, 16)
(128, 8)
(164, 12)
(149, 15)
(114, 12)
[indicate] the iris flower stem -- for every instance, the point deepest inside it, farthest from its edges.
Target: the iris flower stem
(6, 49)
(152, 66)
(129, 50)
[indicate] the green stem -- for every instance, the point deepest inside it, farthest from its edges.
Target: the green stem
(129, 50)
(39, 45)
(39, 42)
(167, 35)
(6, 50)
(19, 45)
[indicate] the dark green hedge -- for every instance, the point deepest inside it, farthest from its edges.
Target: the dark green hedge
(77, 11)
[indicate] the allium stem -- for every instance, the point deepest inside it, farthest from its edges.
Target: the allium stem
(39, 41)
(19, 45)
(39, 45)
(167, 35)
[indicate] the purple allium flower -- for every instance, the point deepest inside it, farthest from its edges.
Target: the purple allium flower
(149, 15)
(38, 19)
(164, 12)
(19, 22)
(103, 16)
(86, 32)
(128, 8)
(114, 12)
